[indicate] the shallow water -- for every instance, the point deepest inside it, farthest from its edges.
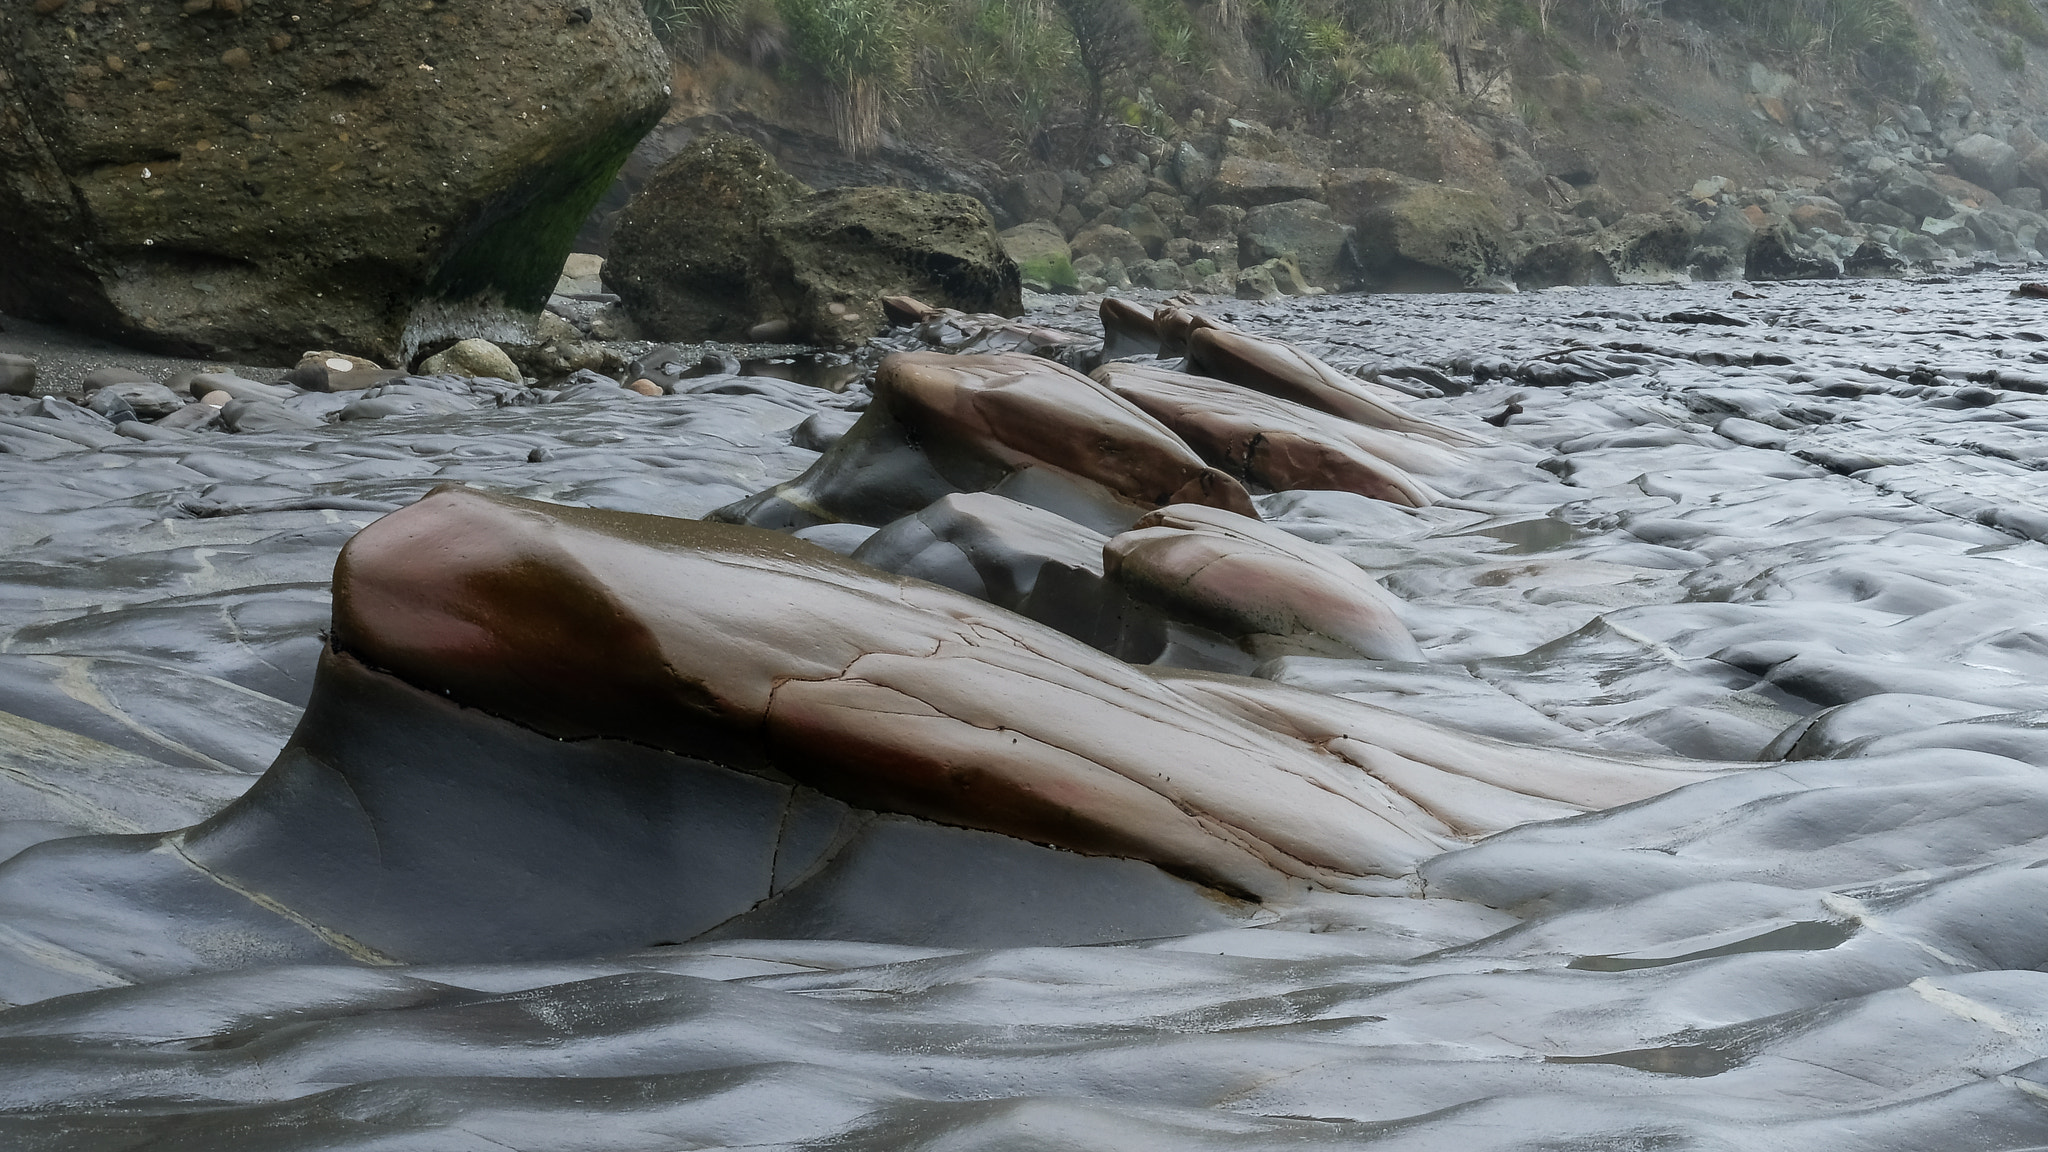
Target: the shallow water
(1812, 534)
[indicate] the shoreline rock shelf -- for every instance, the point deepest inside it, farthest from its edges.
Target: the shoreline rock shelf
(654, 818)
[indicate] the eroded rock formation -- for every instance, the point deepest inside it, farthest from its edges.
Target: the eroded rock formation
(1277, 444)
(1280, 369)
(1273, 594)
(687, 251)
(1015, 424)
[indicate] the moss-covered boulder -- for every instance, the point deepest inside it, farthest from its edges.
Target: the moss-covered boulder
(1777, 254)
(1432, 238)
(688, 252)
(835, 255)
(1649, 248)
(225, 177)
(1301, 231)
(1042, 257)
(1563, 260)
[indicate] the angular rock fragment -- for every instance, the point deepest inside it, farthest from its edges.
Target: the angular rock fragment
(1277, 444)
(1017, 425)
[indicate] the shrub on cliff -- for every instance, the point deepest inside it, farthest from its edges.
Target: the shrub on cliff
(857, 48)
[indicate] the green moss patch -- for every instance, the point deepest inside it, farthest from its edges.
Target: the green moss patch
(515, 249)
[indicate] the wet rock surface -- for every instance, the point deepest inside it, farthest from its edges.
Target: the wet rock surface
(1786, 539)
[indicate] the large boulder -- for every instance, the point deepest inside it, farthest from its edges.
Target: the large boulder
(261, 180)
(1303, 231)
(17, 375)
(1432, 238)
(2034, 167)
(1645, 248)
(1875, 211)
(1146, 227)
(1353, 192)
(1248, 183)
(834, 256)
(1915, 194)
(687, 252)
(1776, 254)
(1563, 260)
(1192, 169)
(1872, 259)
(1731, 228)
(722, 240)
(1030, 196)
(1987, 161)
(1042, 257)
(1109, 242)
(1122, 185)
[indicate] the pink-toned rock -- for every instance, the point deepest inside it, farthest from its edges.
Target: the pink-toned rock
(1273, 593)
(1127, 330)
(1176, 324)
(1280, 369)
(1018, 425)
(776, 658)
(1277, 444)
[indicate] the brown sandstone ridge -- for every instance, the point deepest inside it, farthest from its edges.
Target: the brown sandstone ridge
(772, 656)
(221, 177)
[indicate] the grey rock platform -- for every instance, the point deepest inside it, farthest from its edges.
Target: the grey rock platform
(1840, 951)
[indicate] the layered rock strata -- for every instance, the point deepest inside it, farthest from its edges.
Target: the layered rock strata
(1279, 445)
(1015, 424)
(549, 731)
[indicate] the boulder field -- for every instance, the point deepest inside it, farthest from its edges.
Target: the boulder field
(1234, 207)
